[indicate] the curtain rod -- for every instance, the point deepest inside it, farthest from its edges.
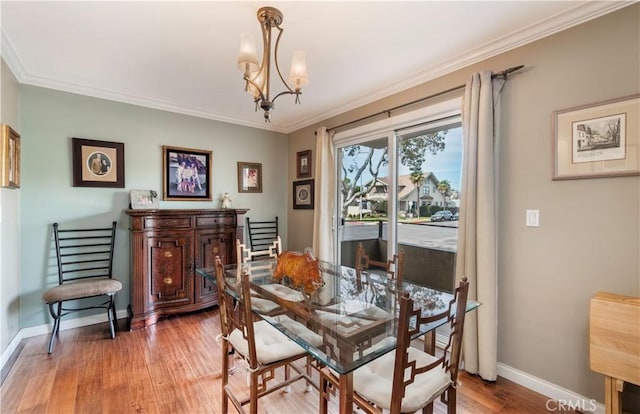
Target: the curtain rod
(501, 74)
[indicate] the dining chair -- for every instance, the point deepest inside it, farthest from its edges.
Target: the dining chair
(408, 379)
(84, 261)
(263, 348)
(246, 253)
(262, 234)
(393, 267)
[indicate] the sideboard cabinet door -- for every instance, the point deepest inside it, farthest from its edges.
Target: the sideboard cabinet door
(211, 244)
(169, 268)
(166, 248)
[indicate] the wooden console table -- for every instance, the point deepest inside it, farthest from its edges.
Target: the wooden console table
(166, 248)
(614, 333)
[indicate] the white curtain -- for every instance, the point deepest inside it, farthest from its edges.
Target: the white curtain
(324, 210)
(477, 231)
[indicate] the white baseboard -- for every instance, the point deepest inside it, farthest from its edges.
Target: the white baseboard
(560, 395)
(46, 329)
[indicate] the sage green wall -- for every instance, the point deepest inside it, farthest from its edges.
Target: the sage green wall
(589, 234)
(51, 118)
(9, 221)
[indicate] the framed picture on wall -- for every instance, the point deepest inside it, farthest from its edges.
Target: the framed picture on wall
(10, 158)
(303, 196)
(186, 174)
(597, 140)
(249, 177)
(97, 163)
(303, 164)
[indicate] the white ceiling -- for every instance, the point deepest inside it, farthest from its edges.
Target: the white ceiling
(181, 56)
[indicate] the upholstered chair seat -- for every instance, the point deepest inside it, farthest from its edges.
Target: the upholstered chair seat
(82, 289)
(271, 344)
(374, 382)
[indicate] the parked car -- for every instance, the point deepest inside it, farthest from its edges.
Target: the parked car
(456, 216)
(442, 216)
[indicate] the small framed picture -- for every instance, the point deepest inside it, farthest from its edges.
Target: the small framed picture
(303, 164)
(303, 196)
(98, 163)
(10, 158)
(597, 140)
(249, 177)
(186, 174)
(144, 199)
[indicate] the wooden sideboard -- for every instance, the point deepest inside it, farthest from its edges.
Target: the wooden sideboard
(166, 248)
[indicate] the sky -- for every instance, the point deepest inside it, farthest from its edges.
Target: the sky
(445, 165)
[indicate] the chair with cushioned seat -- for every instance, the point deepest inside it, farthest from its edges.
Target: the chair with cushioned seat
(263, 347)
(85, 263)
(407, 379)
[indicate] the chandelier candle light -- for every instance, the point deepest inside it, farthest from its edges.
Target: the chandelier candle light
(257, 78)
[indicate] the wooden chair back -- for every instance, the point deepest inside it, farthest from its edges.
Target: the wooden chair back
(408, 326)
(393, 267)
(245, 254)
(234, 301)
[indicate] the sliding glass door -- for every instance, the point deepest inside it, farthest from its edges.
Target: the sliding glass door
(363, 197)
(398, 189)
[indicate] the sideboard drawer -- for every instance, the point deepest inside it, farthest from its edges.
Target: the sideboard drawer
(204, 221)
(167, 222)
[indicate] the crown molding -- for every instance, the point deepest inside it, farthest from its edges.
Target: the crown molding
(582, 12)
(141, 101)
(8, 53)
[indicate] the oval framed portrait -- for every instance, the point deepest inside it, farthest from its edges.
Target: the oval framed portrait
(303, 196)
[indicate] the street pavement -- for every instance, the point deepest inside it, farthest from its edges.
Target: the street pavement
(439, 236)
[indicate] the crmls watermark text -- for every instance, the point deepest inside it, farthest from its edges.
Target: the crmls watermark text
(571, 405)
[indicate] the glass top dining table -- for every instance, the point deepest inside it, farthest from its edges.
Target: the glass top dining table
(354, 312)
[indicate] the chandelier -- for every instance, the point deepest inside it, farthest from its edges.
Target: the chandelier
(258, 78)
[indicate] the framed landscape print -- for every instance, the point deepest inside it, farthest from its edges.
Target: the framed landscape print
(597, 140)
(97, 163)
(303, 194)
(249, 177)
(186, 174)
(303, 164)
(10, 158)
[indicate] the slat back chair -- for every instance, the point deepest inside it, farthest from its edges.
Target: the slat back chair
(245, 254)
(393, 267)
(418, 378)
(85, 264)
(263, 347)
(262, 234)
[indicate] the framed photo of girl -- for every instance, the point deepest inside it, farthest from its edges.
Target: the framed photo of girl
(249, 177)
(186, 174)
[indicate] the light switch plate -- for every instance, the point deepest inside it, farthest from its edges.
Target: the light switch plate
(533, 218)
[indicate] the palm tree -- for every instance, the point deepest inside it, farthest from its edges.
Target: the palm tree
(417, 179)
(444, 187)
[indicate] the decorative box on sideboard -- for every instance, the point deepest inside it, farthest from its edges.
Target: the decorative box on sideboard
(166, 248)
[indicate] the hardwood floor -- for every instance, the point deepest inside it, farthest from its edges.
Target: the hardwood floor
(172, 367)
